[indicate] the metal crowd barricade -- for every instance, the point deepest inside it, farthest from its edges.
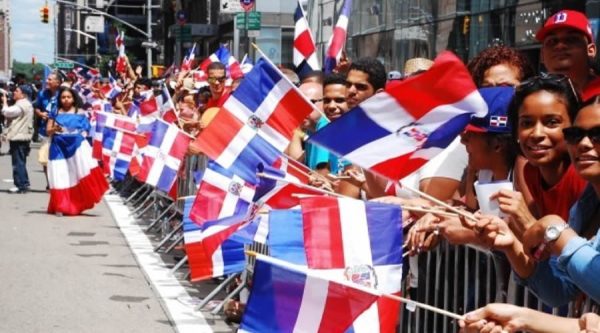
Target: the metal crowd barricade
(463, 278)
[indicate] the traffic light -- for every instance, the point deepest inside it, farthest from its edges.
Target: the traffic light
(44, 13)
(466, 23)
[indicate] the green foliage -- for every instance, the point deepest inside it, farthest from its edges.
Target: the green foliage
(27, 68)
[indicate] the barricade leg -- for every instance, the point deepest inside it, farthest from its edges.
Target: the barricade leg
(216, 291)
(179, 264)
(168, 236)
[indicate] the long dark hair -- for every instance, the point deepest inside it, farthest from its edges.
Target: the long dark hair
(77, 103)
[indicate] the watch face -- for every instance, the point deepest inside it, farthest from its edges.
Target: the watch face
(552, 233)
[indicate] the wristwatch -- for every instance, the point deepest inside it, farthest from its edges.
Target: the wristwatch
(551, 234)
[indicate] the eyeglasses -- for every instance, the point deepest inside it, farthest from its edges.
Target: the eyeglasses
(337, 100)
(569, 40)
(213, 80)
(359, 86)
(543, 79)
(574, 135)
(315, 101)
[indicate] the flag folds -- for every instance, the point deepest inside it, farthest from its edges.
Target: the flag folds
(337, 42)
(305, 51)
(394, 133)
(289, 298)
(256, 122)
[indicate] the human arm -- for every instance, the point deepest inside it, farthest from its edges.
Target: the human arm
(576, 256)
(295, 150)
(513, 204)
(52, 127)
(510, 318)
(12, 111)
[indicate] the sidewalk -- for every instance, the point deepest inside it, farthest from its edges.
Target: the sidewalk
(68, 274)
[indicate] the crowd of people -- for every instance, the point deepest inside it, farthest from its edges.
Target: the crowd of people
(541, 134)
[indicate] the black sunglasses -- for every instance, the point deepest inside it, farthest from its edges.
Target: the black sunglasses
(544, 78)
(574, 135)
(359, 86)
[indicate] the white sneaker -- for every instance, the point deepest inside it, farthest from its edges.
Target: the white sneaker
(13, 190)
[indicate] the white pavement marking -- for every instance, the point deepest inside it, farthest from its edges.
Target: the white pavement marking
(170, 291)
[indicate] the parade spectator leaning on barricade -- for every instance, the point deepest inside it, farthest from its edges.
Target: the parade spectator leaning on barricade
(298, 149)
(46, 100)
(490, 158)
(19, 134)
(574, 246)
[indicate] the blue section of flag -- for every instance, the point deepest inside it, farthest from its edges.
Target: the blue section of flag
(275, 299)
(385, 233)
(444, 135)
(257, 151)
(341, 137)
(286, 236)
(257, 85)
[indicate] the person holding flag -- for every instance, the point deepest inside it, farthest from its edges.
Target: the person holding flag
(76, 181)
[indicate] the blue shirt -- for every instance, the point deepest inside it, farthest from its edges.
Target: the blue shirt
(45, 102)
(315, 154)
(558, 280)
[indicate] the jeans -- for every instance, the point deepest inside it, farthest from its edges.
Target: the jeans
(19, 150)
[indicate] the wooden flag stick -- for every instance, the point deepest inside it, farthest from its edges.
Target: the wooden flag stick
(440, 202)
(400, 299)
(312, 188)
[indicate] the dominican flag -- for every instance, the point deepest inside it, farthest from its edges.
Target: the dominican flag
(360, 242)
(279, 194)
(289, 298)
(394, 133)
(256, 122)
(76, 181)
(149, 105)
(210, 254)
(163, 155)
(221, 194)
(186, 64)
(112, 121)
(111, 90)
(121, 66)
(305, 51)
(337, 42)
(232, 66)
(117, 151)
(168, 112)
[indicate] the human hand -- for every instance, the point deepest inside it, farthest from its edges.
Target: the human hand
(452, 230)
(357, 176)
(533, 238)
(424, 234)
(193, 149)
(513, 203)
(495, 318)
(494, 232)
(589, 323)
(343, 65)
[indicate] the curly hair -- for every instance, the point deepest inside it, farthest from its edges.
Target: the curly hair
(497, 55)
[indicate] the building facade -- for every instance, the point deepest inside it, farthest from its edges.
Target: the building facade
(5, 41)
(397, 30)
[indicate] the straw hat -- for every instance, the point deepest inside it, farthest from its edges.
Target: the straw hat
(414, 65)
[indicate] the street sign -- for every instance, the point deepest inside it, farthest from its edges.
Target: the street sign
(231, 6)
(247, 5)
(254, 20)
(63, 64)
(94, 24)
(181, 33)
(253, 33)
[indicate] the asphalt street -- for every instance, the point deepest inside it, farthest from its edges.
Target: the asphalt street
(70, 274)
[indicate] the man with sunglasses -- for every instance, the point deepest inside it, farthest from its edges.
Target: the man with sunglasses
(365, 78)
(568, 46)
(216, 82)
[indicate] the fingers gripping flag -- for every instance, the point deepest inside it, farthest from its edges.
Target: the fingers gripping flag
(256, 122)
(360, 242)
(289, 298)
(337, 42)
(163, 155)
(305, 51)
(394, 133)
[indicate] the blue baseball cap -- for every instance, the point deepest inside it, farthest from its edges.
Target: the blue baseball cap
(496, 121)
